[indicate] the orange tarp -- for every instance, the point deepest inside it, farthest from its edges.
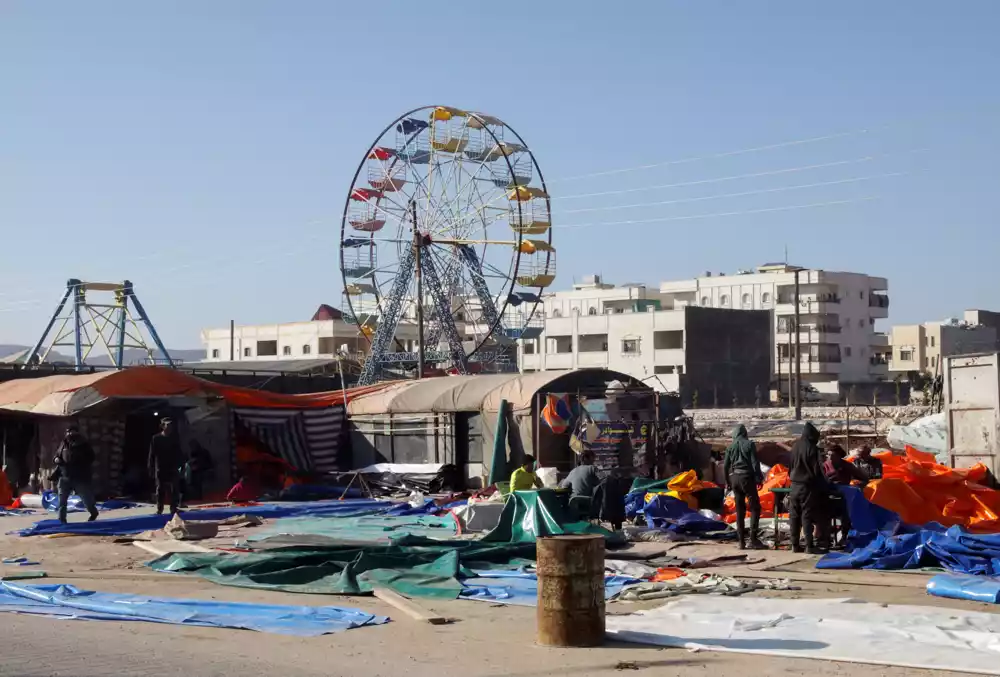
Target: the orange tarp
(777, 478)
(921, 491)
(66, 395)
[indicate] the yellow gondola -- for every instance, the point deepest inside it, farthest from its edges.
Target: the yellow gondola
(537, 265)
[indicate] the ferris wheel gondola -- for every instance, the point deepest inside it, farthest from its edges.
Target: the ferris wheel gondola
(446, 243)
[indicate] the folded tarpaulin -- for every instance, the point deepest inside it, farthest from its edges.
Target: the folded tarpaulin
(984, 589)
(528, 515)
(413, 566)
(50, 501)
(666, 512)
(67, 601)
(520, 587)
(135, 524)
(828, 629)
(364, 529)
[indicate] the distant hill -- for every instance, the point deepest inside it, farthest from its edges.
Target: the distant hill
(101, 359)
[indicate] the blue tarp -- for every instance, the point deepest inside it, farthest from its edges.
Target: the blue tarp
(134, 524)
(67, 601)
(520, 587)
(962, 586)
(671, 514)
(50, 501)
(882, 541)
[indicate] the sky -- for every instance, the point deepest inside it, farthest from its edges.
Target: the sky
(204, 150)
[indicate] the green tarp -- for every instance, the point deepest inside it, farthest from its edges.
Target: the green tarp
(368, 529)
(528, 515)
(413, 566)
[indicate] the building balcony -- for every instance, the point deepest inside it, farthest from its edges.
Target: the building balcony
(559, 361)
(812, 304)
(808, 335)
(533, 362)
(592, 359)
(668, 357)
(879, 340)
(811, 365)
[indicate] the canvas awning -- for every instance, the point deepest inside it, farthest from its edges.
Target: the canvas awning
(69, 394)
(444, 394)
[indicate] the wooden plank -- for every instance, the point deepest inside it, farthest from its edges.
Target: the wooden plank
(408, 607)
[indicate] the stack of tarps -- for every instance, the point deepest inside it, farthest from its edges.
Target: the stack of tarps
(928, 434)
(675, 507)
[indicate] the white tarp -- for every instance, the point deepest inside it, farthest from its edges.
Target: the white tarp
(829, 629)
(928, 434)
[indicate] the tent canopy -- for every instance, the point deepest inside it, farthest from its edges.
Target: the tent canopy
(69, 394)
(478, 393)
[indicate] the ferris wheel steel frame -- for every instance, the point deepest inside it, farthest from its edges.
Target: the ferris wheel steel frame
(415, 259)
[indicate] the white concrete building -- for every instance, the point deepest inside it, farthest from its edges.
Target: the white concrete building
(588, 325)
(920, 347)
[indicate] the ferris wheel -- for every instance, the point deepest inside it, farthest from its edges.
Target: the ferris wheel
(446, 244)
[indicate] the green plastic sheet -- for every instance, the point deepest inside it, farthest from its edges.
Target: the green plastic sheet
(528, 515)
(368, 529)
(412, 566)
(643, 484)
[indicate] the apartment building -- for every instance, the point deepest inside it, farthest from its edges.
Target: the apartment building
(920, 347)
(838, 312)
(720, 353)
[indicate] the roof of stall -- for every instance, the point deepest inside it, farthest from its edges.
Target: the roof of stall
(68, 394)
(484, 392)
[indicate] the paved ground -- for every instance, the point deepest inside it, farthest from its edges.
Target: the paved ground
(485, 640)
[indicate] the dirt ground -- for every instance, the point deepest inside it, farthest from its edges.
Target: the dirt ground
(485, 640)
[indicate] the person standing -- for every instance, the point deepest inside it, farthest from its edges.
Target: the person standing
(74, 468)
(742, 471)
(164, 465)
(808, 497)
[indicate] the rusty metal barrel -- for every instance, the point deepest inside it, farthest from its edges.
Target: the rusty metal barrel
(571, 590)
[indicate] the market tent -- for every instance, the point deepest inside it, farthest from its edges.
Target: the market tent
(443, 394)
(69, 394)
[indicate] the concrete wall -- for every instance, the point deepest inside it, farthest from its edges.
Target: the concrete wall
(728, 353)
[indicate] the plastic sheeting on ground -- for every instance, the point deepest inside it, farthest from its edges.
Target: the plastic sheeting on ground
(528, 515)
(67, 601)
(962, 586)
(698, 584)
(520, 587)
(363, 529)
(671, 514)
(135, 524)
(413, 566)
(921, 491)
(829, 629)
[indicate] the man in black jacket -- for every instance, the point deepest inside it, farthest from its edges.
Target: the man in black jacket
(164, 465)
(810, 490)
(742, 471)
(74, 464)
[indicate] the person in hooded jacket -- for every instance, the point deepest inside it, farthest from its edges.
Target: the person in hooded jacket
(810, 491)
(742, 471)
(74, 466)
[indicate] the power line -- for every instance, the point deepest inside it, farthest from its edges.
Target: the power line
(761, 191)
(752, 175)
(713, 156)
(813, 205)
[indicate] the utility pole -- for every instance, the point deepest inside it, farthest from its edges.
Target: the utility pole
(798, 353)
(420, 291)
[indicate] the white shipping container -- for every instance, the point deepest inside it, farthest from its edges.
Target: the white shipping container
(972, 409)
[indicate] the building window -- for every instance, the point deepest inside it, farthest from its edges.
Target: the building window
(307, 349)
(662, 369)
(286, 350)
(747, 300)
(556, 312)
(529, 347)
(765, 298)
(724, 300)
(215, 352)
(705, 301)
(861, 324)
(934, 361)
(267, 348)
(592, 310)
(905, 355)
(847, 351)
(630, 346)
(326, 345)
(932, 341)
(871, 321)
(861, 295)
(247, 352)
(925, 362)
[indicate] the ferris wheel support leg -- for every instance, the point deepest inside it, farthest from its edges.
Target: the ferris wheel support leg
(390, 320)
(489, 309)
(443, 306)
